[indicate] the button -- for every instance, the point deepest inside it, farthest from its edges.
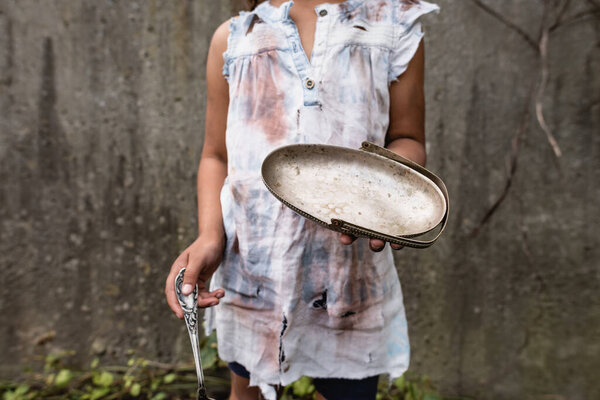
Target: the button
(309, 83)
(323, 13)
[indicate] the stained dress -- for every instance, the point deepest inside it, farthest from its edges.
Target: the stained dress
(298, 302)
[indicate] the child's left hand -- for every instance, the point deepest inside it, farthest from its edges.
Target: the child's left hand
(374, 244)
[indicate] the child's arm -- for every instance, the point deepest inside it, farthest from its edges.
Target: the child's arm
(406, 131)
(204, 255)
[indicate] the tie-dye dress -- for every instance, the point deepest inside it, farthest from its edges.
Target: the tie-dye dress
(298, 301)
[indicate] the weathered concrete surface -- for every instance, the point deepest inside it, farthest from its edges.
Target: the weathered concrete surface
(101, 108)
(101, 116)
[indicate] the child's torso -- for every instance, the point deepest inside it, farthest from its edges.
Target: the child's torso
(323, 80)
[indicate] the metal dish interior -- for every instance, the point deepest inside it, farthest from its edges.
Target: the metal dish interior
(362, 188)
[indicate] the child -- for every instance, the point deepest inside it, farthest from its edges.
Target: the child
(301, 299)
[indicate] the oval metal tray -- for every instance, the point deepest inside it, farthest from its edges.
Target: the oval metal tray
(371, 192)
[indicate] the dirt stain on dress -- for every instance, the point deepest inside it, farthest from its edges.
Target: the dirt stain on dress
(347, 14)
(268, 108)
(378, 11)
(408, 4)
(263, 97)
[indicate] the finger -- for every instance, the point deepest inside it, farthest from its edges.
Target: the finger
(347, 239)
(376, 245)
(396, 246)
(206, 298)
(219, 293)
(190, 278)
(208, 302)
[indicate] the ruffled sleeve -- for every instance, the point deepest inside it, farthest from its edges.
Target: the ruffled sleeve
(226, 57)
(233, 24)
(236, 25)
(407, 34)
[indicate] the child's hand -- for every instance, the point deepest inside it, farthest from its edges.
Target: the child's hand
(374, 244)
(200, 259)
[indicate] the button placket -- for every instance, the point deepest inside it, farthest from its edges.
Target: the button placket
(323, 25)
(306, 69)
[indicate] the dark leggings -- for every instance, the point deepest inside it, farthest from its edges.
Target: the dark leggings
(332, 388)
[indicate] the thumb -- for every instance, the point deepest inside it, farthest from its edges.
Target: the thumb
(190, 277)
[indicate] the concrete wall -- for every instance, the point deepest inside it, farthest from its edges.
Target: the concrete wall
(101, 125)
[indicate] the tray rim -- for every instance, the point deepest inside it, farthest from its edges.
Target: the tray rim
(359, 231)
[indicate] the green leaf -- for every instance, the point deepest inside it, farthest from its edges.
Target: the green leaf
(99, 393)
(18, 394)
(170, 377)
(104, 379)
(127, 381)
(63, 378)
(94, 363)
(155, 384)
(432, 396)
(50, 358)
(303, 387)
(130, 362)
(208, 352)
(21, 390)
(135, 389)
(400, 384)
(9, 395)
(159, 396)
(417, 392)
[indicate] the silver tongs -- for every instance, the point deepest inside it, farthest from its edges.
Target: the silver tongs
(189, 304)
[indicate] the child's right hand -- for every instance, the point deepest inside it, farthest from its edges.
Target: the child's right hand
(200, 260)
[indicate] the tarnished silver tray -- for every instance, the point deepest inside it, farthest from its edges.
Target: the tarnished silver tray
(371, 192)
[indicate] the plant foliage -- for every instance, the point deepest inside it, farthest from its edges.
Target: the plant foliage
(145, 379)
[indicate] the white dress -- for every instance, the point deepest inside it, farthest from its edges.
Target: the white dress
(299, 302)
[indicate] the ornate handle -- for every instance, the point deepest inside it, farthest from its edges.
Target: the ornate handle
(189, 305)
